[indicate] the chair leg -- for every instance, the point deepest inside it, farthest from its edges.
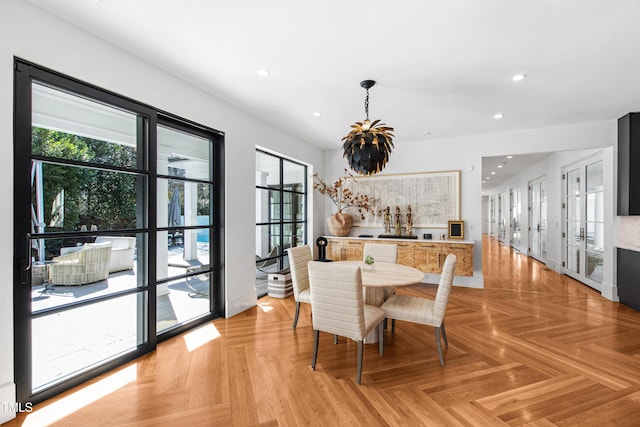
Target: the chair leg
(295, 319)
(359, 371)
(439, 346)
(444, 335)
(335, 339)
(380, 340)
(393, 326)
(316, 338)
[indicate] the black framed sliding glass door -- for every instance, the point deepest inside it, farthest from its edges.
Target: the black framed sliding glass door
(88, 230)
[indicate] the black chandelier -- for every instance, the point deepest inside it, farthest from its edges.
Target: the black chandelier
(368, 146)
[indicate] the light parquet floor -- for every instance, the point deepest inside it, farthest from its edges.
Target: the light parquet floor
(533, 348)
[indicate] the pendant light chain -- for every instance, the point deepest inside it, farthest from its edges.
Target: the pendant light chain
(366, 104)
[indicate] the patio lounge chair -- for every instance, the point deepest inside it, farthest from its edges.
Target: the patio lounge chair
(262, 264)
(88, 265)
(122, 252)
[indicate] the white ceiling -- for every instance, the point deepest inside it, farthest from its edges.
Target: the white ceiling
(443, 68)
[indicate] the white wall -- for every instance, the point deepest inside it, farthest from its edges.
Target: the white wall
(34, 35)
(465, 154)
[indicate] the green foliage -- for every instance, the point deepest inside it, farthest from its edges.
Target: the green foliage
(91, 196)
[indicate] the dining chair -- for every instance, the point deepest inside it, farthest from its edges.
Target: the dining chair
(299, 258)
(382, 252)
(423, 310)
(338, 308)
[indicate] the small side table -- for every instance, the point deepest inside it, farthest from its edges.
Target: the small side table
(39, 274)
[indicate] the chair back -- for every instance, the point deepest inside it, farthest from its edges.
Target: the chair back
(444, 288)
(381, 252)
(337, 303)
(299, 258)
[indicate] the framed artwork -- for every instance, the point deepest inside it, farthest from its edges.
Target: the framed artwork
(434, 197)
(456, 229)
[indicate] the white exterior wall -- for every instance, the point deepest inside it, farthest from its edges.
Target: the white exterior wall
(29, 33)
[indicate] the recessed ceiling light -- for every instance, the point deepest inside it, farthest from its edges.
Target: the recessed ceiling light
(493, 173)
(518, 77)
(483, 182)
(509, 157)
(262, 73)
(499, 166)
(498, 116)
(317, 114)
(488, 177)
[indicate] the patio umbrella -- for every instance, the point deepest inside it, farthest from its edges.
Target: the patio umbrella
(173, 218)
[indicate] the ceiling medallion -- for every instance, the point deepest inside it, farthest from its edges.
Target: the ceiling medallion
(368, 145)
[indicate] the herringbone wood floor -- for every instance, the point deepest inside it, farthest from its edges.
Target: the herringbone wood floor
(533, 348)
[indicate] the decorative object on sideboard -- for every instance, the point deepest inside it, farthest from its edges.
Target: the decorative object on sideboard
(409, 227)
(398, 221)
(340, 223)
(368, 145)
(456, 229)
(387, 220)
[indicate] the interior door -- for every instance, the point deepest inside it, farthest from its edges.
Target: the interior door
(538, 219)
(583, 231)
(514, 195)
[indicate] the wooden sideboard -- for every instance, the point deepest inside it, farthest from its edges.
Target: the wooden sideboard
(425, 255)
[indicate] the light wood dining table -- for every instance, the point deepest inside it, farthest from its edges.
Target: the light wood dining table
(384, 275)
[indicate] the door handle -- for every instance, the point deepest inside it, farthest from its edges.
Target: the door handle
(25, 264)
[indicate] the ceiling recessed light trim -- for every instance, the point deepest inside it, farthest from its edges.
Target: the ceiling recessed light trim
(262, 73)
(498, 116)
(519, 77)
(317, 114)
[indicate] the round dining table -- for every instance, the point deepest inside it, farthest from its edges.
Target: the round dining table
(380, 276)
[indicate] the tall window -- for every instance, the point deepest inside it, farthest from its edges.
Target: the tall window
(281, 213)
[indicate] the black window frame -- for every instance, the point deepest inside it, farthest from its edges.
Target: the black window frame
(25, 73)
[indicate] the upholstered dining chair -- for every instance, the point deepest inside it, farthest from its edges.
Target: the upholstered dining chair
(299, 258)
(382, 252)
(338, 308)
(423, 310)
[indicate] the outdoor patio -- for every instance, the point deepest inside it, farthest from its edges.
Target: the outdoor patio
(72, 340)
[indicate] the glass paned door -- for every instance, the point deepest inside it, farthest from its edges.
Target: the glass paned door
(538, 219)
(594, 222)
(574, 222)
(101, 228)
(81, 294)
(515, 218)
(184, 218)
(584, 223)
